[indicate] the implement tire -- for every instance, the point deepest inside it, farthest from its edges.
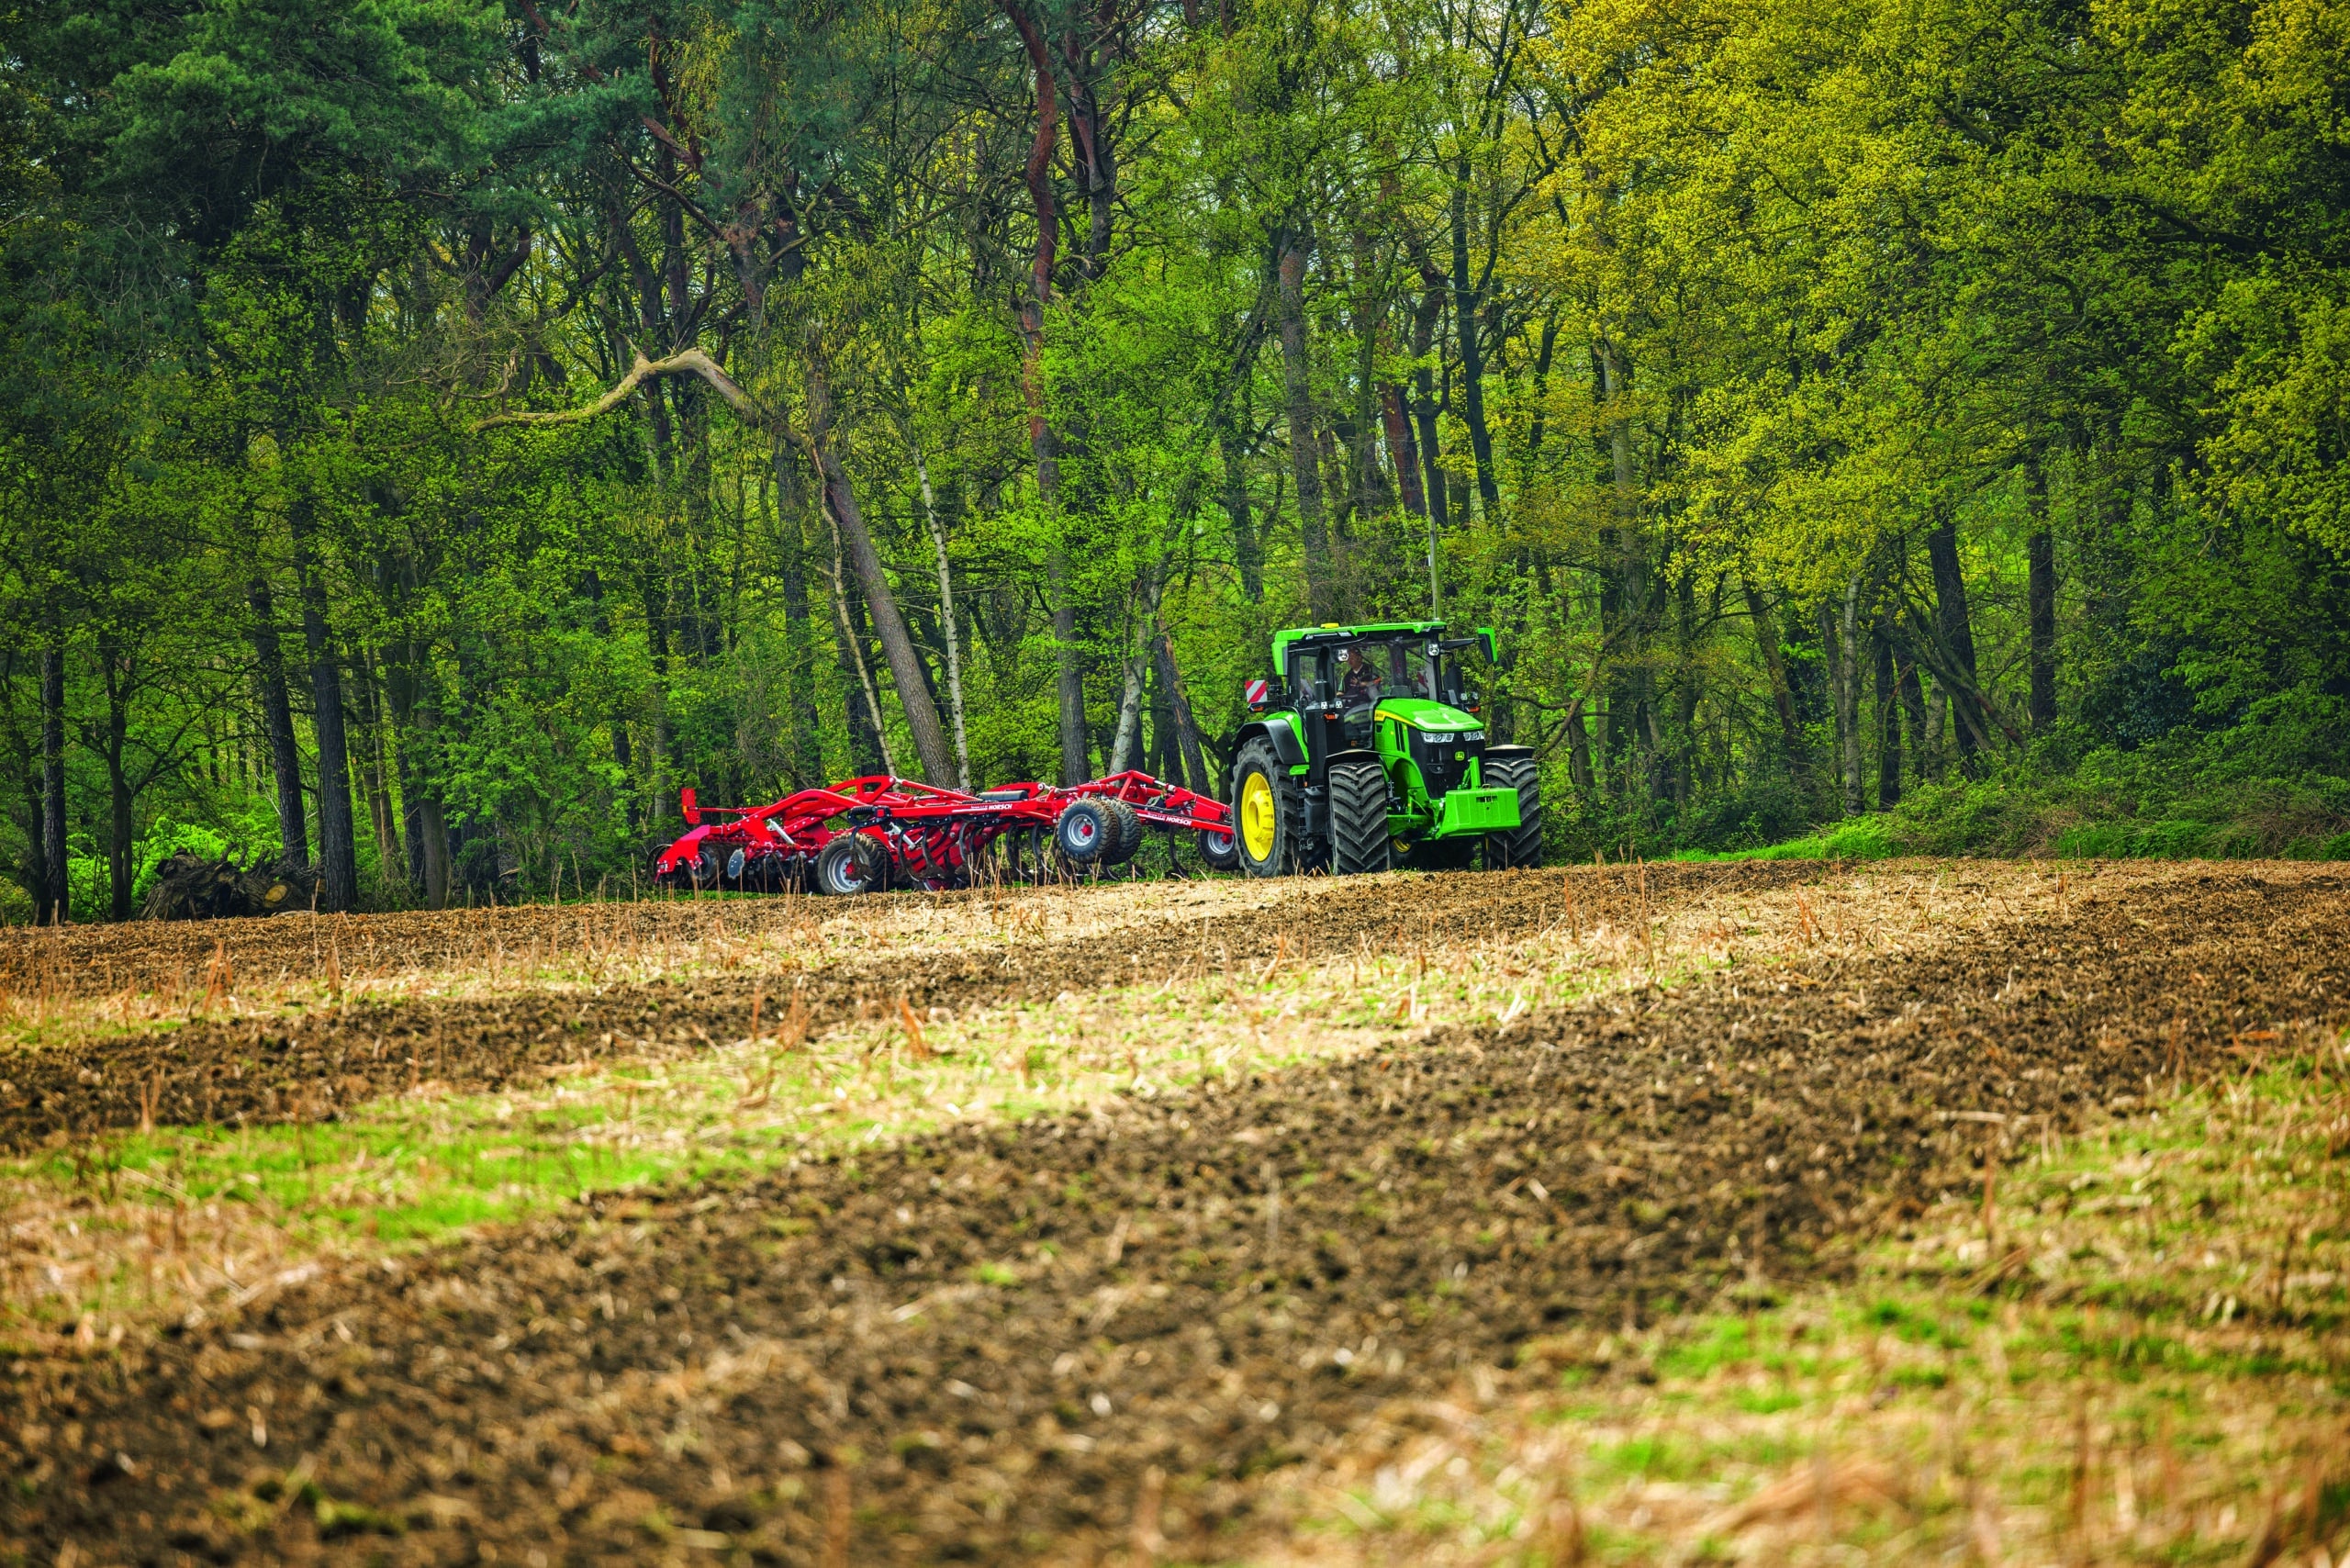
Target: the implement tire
(1088, 831)
(1220, 848)
(1267, 814)
(848, 866)
(1358, 819)
(1129, 843)
(1520, 845)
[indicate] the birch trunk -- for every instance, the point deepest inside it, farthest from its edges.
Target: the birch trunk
(856, 647)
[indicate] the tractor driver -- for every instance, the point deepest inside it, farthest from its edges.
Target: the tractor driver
(1362, 681)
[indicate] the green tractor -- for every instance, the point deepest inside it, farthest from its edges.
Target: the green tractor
(1367, 751)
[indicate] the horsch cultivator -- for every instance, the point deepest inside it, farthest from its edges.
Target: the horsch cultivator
(880, 831)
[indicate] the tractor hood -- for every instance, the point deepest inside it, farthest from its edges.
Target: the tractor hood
(1431, 718)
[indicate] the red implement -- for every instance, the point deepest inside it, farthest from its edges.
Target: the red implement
(879, 831)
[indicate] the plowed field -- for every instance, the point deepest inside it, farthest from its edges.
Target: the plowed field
(1096, 1332)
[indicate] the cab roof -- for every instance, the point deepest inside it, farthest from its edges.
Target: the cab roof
(1315, 636)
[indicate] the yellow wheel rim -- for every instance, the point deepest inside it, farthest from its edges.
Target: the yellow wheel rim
(1258, 816)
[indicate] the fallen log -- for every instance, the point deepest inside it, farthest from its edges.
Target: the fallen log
(189, 886)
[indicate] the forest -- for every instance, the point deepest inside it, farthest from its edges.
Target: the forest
(435, 431)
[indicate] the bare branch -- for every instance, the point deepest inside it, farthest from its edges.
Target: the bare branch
(687, 361)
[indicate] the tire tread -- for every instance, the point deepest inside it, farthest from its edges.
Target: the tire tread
(1358, 841)
(1520, 845)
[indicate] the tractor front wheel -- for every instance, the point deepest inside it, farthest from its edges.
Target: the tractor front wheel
(1268, 812)
(1357, 818)
(1522, 844)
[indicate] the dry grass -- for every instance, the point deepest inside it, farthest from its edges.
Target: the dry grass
(2145, 1364)
(120, 1233)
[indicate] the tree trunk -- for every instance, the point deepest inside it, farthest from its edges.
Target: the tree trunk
(1782, 697)
(1403, 449)
(1472, 356)
(120, 804)
(1888, 717)
(1129, 734)
(433, 824)
(1425, 317)
(368, 748)
(1578, 747)
(592, 584)
(35, 846)
(1166, 756)
(1248, 552)
(799, 641)
(1069, 666)
(1044, 446)
(337, 841)
(937, 759)
(1624, 550)
(413, 720)
(277, 719)
(1304, 441)
(869, 740)
(1187, 729)
(1848, 697)
(1954, 628)
(2040, 592)
(1405, 452)
(1913, 708)
(946, 625)
(52, 773)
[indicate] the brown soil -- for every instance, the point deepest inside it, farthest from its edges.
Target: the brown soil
(302, 1065)
(986, 1346)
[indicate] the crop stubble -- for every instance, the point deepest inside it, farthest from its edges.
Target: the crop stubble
(307, 1065)
(996, 1336)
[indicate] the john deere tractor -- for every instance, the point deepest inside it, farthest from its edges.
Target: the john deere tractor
(1366, 750)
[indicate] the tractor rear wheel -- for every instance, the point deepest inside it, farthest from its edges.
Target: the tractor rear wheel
(1522, 844)
(1357, 818)
(1269, 813)
(848, 866)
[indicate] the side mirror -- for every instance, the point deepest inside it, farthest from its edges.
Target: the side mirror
(686, 804)
(1486, 635)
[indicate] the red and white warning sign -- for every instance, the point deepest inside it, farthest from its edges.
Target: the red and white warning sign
(1256, 691)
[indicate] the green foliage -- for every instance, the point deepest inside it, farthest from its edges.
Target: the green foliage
(1792, 333)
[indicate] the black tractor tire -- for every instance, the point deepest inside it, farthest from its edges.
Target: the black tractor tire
(1358, 819)
(851, 863)
(1088, 830)
(1291, 851)
(1219, 849)
(1520, 845)
(1130, 832)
